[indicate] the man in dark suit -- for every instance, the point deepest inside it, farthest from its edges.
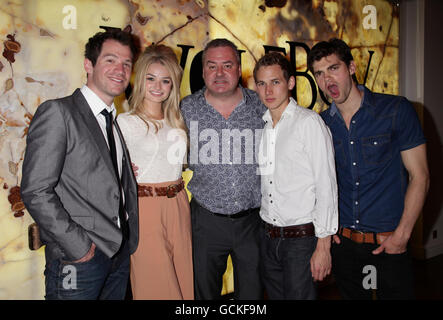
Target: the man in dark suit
(77, 182)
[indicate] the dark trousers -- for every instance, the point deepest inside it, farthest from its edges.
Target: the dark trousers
(101, 278)
(286, 267)
(213, 239)
(357, 271)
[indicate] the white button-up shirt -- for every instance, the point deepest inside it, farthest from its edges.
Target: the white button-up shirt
(297, 167)
(97, 105)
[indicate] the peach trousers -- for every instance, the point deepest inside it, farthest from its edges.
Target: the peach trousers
(161, 267)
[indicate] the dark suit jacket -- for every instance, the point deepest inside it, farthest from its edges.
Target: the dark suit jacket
(69, 185)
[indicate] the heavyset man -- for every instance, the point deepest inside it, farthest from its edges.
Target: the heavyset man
(225, 185)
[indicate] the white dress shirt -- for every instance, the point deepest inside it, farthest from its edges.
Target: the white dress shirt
(297, 168)
(97, 105)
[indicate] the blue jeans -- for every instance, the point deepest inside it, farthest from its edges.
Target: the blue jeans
(286, 267)
(101, 278)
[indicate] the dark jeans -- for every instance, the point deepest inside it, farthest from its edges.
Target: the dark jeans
(357, 271)
(100, 278)
(213, 239)
(286, 267)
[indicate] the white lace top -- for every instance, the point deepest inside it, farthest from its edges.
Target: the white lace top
(158, 156)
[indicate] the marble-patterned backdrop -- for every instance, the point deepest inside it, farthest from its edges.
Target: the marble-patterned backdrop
(42, 58)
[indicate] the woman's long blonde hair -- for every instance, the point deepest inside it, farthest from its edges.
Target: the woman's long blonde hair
(165, 56)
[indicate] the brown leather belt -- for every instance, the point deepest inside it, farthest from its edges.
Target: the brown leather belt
(299, 231)
(364, 237)
(170, 191)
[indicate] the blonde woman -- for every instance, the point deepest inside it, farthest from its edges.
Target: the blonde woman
(155, 134)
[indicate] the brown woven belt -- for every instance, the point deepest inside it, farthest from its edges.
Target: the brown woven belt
(299, 231)
(170, 191)
(364, 237)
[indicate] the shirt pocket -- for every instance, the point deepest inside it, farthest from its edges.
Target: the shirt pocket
(340, 156)
(377, 149)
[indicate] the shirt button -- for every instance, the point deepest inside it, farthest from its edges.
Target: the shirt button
(357, 221)
(270, 195)
(357, 183)
(270, 182)
(271, 201)
(375, 142)
(354, 163)
(356, 203)
(353, 121)
(352, 142)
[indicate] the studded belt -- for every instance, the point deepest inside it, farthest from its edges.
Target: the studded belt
(170, 191)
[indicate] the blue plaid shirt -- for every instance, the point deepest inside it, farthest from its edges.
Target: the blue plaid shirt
(372, 179)
(222, 152)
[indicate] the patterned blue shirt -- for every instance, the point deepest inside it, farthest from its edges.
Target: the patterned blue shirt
(372, 179)
(222, 152)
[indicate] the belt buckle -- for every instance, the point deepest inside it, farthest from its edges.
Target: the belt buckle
(360, 232)
(171, 190)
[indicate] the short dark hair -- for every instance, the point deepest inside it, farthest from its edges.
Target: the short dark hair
(95, 43)
(274, 58)
(326, 48)
(220, 42)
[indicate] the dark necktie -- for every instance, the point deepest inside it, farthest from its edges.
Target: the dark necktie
(113, 151)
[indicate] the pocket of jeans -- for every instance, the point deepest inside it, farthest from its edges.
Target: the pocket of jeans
(376, 149)
(66, 262)
(302, 248)
(393, 255)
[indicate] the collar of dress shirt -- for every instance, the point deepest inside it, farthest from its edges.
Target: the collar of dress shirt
(288, 112)
(95, 103)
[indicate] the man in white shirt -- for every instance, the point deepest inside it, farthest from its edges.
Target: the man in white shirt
(298, 184)
(77, 180)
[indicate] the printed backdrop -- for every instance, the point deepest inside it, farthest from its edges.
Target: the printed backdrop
(42, 58)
